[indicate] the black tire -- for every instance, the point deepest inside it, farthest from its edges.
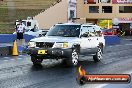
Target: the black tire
(40, 35)
(82, 81)
(73, 60)
(36, 61)
(98, 56)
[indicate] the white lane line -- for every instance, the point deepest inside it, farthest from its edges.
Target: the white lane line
(119, 45)
(5, 60)
(20, 55)
(110, 46)
(127, 39)
(6, 57)
(115, 45)
(102, 85)
(12, 59)
(128, 44)
(19, 58)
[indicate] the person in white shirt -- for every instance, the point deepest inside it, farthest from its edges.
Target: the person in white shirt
(20, 28)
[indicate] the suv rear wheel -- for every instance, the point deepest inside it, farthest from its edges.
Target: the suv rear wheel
(73, 60)
(98, 55)
(36, 61)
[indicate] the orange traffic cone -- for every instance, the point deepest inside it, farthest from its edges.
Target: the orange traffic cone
(15, 51)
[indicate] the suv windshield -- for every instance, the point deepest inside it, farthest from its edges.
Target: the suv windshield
(65, 31)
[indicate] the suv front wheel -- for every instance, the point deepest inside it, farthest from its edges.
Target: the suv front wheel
(36, 61)
(98, 56)
(73, 60)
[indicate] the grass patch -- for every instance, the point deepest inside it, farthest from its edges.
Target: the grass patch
(6, 28)
(23, 9)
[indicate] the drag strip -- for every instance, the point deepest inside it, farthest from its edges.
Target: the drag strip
(52, 74)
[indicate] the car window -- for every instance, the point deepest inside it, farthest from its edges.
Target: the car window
(24, 22)
(90, 31)
(28, 23)
(27, 30)
(35, 30)
(32, 30)
(64, 31)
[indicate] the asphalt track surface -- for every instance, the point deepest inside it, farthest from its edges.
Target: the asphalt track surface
(18, 72)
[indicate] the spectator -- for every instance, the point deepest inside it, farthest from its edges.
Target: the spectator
(20, 28)
(118, 31)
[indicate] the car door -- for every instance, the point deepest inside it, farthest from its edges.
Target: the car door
(95, 38)
(85, 41)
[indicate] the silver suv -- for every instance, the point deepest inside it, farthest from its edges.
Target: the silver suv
(68, 41)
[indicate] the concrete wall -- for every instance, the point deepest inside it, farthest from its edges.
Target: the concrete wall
(80, 12)
(59, 13)
(114, 14)
(53, 15)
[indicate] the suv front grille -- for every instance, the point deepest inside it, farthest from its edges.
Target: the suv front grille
(44, 44)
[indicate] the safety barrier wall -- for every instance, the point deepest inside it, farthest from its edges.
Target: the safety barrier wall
(112, 39)
(6, 38)
(9, 38)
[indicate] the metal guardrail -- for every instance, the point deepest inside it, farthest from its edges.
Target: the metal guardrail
(5, 50)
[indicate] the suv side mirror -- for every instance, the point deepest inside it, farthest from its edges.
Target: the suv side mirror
(32, 30)
(44, 34)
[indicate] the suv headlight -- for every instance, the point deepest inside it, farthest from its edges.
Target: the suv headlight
(60, 45)
(31, 44)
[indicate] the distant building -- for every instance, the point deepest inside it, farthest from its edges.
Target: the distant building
(117, 12)
(106, 13)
